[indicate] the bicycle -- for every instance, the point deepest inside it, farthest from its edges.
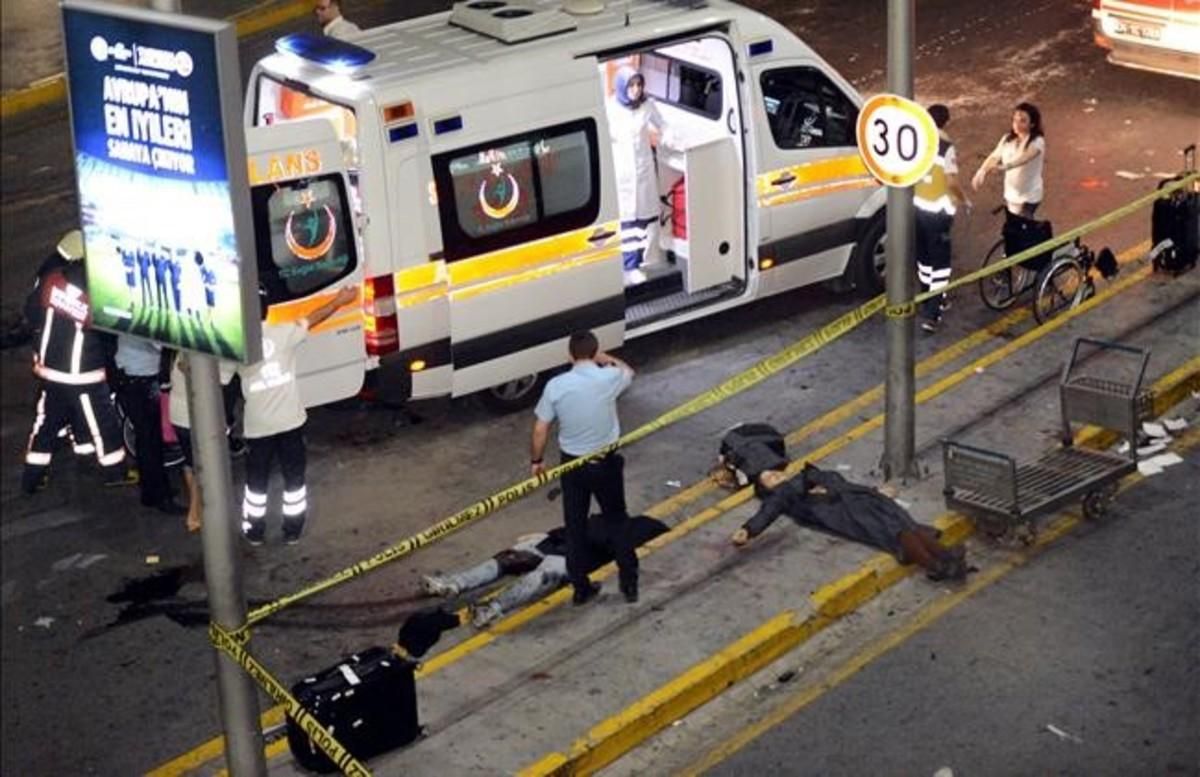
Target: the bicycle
(1063, 281)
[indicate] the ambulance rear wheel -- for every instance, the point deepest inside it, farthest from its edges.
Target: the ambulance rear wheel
(868, 265)
(513, 395)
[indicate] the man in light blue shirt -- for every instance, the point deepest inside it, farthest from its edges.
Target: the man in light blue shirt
(584, 403)
(138, 380)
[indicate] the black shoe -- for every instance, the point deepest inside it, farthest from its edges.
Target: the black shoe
(254, 531)
(292, 529)
(29, 487)
(127, 477)
(930, 325)
(585, 595)
(630, 591)
(171, 507)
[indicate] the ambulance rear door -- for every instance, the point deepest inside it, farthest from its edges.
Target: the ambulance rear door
(307, 248)
(529, 231)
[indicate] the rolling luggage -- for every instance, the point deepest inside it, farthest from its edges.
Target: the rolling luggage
(368, 702)
(1177, 218)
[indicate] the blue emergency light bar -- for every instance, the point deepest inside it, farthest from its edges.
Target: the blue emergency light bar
(331, 53)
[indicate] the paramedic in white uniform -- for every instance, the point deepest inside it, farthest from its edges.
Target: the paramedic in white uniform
(632, 117)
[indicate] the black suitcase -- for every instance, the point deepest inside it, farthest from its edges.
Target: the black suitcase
(1177, 218)
(1021, 233)
(368, 702)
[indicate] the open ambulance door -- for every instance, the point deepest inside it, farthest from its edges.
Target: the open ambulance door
(531, 244)
(307, 248)
(716, 244)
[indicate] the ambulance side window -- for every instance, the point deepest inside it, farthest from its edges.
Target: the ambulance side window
(518, 188)
(303, 235)
(806, 110)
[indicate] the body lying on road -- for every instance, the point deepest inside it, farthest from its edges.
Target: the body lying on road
(755, 453)
(539, 561)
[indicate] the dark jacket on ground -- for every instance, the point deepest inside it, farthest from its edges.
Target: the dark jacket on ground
(849, 510)
(642, 529)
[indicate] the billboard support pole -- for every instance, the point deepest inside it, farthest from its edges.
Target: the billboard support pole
(222, 571)
(899, 432)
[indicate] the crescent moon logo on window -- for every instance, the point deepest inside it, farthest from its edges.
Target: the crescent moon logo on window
(505, 210)
(310, 224)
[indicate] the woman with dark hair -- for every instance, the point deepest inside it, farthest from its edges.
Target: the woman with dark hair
(1020, 155)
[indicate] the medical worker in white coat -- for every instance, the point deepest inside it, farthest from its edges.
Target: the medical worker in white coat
(632, 116)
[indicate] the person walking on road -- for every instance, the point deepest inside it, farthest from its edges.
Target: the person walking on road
(333, 24)
(1020, 155)
(274, 421)
(583, 401)
(70, 361)
(936, 198)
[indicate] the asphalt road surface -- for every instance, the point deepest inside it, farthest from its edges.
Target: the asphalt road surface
(1081, 663)
(101, 677)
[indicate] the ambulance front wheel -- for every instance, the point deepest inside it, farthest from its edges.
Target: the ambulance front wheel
(517, 394)
(868, 264)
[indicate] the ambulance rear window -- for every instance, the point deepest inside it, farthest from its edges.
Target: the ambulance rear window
(304, 236)
(682, 84)
(519, 188)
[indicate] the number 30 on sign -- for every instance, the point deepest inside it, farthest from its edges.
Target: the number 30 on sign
(897, 139)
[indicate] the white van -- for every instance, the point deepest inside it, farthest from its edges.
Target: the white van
(479, 183)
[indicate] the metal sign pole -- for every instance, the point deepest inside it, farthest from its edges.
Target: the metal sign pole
(222, 571)
(899, 446)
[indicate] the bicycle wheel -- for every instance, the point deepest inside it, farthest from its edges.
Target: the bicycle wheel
(1060, 287)
(998, 290)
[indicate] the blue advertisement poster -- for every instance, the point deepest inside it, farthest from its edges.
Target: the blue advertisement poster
(158, 192)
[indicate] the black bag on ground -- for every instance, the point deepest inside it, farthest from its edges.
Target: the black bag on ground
(752, 448)
(1021, 233)
(368, 702)
(1177, 218)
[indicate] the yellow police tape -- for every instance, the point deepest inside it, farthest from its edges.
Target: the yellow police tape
(231, 643)
(1064, 238)
(737, 384)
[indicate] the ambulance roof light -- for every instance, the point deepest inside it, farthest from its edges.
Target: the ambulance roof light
(330, 53)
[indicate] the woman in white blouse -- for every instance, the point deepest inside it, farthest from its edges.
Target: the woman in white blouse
(1020, 155)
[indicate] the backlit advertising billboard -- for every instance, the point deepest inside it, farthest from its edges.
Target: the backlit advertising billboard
(160, 162)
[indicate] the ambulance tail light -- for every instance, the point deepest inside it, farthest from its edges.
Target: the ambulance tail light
(381, 327)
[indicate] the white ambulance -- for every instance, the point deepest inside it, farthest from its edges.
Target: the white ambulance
(461, 171)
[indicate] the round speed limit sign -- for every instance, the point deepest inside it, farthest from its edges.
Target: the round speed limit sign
(897, 139)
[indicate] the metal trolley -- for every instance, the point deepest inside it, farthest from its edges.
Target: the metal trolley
(1005, 497)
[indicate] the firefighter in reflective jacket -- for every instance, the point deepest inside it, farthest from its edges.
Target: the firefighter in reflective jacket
(936, 198)
(69, 359)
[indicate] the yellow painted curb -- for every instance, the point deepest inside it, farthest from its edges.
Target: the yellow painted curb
(619, 734)
(54, 88)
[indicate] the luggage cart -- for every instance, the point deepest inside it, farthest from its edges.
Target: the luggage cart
(1005, 497)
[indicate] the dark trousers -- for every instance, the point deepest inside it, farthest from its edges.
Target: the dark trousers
(80, 407)
(288, 447)
(139, 398)
(933, 257)
(605, 480)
